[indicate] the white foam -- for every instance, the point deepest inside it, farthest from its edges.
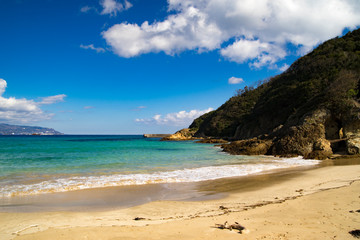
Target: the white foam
(184, 175)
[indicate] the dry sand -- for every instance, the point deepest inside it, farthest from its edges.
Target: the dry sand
(319, 203)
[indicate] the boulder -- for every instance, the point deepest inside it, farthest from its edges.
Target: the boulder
(353, 146)
(352, 133)
(212, 140)
(304, 138)
(252, 146)
(321, 150)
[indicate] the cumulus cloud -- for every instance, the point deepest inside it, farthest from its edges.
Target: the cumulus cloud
(22, 110)
(112, 7)
(260, 54)
(188, 30)
(91, 46)
(235, 80)
(182, 118)
(254, 31)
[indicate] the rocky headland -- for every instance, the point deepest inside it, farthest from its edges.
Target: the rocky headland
(182, 135)
(312, 109)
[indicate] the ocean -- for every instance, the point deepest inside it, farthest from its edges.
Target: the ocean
(31, 165)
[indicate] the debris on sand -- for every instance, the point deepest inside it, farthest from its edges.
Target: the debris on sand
(355, 233)
(235, 226)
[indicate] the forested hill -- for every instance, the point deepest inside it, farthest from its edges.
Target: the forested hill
(7, 129)
(328, 77)
(312, 109)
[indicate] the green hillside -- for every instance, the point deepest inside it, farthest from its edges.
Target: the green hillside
(326, 77)
(312, 109)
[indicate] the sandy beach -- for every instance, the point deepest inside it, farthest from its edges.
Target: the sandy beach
(318, 203)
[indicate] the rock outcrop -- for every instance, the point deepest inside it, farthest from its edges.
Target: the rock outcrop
(212, 140)
(181, 135)
(352, 133)
(307, 139)
(252, 146)
(156, 135)
(310, 139)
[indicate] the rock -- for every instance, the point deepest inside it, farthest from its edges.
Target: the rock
(353, 146)
(212, 140)
(182, 135)
(306, 139)
(321, 150)
(319, 155)
(252, 146)
(322, 145)
(352, 133)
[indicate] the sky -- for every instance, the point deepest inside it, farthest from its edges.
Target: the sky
(149, 66)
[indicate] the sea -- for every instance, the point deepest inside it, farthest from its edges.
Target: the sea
(37, 165)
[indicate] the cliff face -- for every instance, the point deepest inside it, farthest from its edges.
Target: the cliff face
(312, 109)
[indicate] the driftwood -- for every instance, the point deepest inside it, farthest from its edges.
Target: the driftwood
(223, 208)
(230, 227)
(352, 211)
(355, 233)
(222, 226)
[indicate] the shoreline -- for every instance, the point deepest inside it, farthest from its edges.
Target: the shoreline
(193, 216)
(72, 194)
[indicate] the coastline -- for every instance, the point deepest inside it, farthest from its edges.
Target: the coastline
(308, 204)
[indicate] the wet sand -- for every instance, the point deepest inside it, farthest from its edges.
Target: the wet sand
(291, 204)
(110, 198)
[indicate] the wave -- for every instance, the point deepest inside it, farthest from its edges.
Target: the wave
(177, 176)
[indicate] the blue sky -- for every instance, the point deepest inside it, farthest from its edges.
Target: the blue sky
(141, 66)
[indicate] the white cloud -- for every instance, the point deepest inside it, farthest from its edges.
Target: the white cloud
(260, 54)
(86, 9)
(15, 110)
(284, 67)
(181, 118)
(188, 30)
(261, 29)
(91, 46)
(89, 107)
(52, 99)
(112, 7)
(3, 86)
(235, 80)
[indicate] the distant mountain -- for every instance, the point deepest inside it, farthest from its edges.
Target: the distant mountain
(312, 109)
(7, 129)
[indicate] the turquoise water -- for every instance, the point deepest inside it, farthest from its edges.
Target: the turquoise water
(42, 164)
